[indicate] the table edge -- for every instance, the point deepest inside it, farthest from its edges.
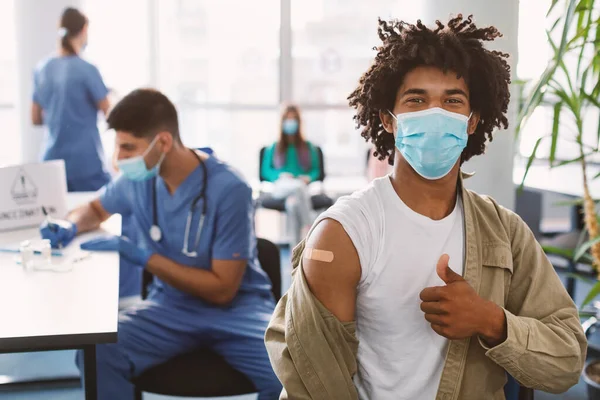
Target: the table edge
(55, 342)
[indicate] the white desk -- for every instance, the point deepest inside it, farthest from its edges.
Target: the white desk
(43, 310)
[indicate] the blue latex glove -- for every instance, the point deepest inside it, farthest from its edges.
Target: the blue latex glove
(59, 232)
(126, 248)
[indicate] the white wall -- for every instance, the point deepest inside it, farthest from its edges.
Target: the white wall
(494, 168)
(36, 37)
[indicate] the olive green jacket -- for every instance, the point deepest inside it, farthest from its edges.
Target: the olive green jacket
(314, 354)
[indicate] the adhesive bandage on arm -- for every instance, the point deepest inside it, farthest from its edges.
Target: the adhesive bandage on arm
(318, 255)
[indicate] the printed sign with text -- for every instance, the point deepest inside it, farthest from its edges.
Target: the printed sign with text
(24, 189)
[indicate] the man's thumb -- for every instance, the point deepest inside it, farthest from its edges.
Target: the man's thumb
(445, 272)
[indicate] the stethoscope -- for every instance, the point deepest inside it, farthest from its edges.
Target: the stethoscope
(156, 232)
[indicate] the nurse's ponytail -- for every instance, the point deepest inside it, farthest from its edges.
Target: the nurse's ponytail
(72, 23)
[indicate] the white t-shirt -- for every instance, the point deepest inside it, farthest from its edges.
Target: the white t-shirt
(399, 355)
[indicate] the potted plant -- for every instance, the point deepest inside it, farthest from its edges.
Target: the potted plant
(570, 85)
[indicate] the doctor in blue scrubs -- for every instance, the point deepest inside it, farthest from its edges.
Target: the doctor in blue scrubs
(197, 238)
(68, 93)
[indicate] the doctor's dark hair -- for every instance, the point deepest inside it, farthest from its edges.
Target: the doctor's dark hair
(144, 113)
(72, 23)
(456, 47)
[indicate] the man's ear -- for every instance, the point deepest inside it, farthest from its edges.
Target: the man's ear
(166, 141)
(388, 122)
(473, 122)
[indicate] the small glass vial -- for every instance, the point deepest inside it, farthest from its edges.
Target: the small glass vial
(46, 251)
(26, 252)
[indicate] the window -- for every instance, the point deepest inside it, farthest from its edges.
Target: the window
(534, 53)
(9, 152)
(221, 68)
(228, 65)
(215, 53)
(119, 46)
(118, 42)
(332, 45)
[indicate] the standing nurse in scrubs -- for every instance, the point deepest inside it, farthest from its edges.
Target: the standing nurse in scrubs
(68, 93)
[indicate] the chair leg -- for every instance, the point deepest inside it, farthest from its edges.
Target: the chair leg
(138, 394)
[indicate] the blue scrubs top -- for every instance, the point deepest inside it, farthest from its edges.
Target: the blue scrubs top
(227, 234)
(130, 275)
(68, 90)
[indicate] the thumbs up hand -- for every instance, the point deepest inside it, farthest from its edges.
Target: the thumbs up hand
(456, 311)
(445, 272)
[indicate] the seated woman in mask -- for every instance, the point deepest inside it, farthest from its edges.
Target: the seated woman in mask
(292, 163)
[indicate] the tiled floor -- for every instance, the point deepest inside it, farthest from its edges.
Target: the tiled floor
(61, 363)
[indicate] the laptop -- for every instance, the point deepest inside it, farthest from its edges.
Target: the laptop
(25, 188)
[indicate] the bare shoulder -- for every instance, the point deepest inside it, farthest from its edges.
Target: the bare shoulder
(334, 272)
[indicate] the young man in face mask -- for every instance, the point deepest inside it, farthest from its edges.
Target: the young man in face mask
(196, 236)
(444, 289)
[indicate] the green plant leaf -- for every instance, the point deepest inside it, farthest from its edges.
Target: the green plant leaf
(591, 99)
(596, 63)
(586, 259)
(559, 251)
(573, 160)
(530, 160)
(554, 2)
(537, 94)
(560, 62)
(568, 19)
(562, 94)
(594, 291)
(582, 83)
(583, 5)
(598, 134)
(584, 34)
(555, 24)
(580, 251)
(555, 123)
(583, 279)
(535, 97)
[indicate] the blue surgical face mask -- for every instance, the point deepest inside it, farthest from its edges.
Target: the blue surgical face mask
(432, 140)
(135, 169)
(290, 126)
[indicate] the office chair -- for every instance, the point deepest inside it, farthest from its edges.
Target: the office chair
(566, 243)
(319, 201)
(202, 372)
(561, 245)
(528, 205)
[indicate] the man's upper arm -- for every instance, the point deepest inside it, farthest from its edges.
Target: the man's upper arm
(234, 229)
(333, 283)
(116, 196)
(233, 236)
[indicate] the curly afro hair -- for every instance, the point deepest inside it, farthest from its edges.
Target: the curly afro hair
(457, 47)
